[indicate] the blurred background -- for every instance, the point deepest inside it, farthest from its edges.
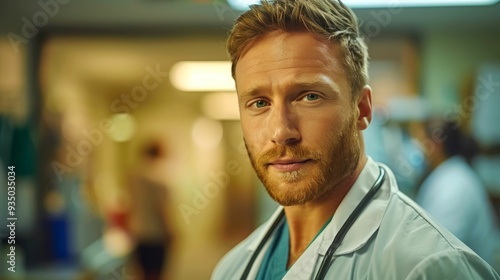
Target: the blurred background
(120, 121)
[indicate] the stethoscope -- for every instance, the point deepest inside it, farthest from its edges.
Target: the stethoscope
(323, 269)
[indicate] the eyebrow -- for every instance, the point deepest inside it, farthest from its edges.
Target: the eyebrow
(295, 86)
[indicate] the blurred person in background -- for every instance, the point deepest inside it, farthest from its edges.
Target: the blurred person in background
(150, 225)
(453, 193)
(300, 69)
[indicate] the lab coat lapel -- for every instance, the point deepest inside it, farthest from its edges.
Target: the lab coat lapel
(252, 247)
(369, 220)
(363, 228)
(307, 264)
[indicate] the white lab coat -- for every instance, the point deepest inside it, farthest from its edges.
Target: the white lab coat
(392, 239)
(455, 197)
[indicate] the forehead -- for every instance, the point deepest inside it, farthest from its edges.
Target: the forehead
(297, 54)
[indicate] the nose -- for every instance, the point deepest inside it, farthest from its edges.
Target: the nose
(283, 126)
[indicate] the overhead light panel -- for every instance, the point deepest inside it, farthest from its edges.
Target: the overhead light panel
(243, 4)
(415, 3)
(202, 76)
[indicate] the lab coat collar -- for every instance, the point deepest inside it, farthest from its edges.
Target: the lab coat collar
(265, 228)
(252, 247)
(361, 231)
(369, 220)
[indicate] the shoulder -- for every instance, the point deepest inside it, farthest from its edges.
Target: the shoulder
(405, 221)
(425, 248)
(453, 264)
(234, 262)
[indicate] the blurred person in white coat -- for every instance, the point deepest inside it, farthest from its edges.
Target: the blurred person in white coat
(453, 193)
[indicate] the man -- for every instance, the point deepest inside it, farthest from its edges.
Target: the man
(300, 69)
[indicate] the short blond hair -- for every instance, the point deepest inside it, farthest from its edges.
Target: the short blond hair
(330, 19)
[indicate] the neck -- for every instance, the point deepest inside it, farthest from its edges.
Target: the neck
(305, 220)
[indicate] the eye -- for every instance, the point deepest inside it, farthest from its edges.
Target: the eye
(311, 97)
(260, 104)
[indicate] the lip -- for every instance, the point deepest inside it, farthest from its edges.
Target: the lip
(288, 164)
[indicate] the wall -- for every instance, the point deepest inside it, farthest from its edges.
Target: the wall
(449, 58)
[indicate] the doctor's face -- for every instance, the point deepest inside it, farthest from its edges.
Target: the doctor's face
(297, 114)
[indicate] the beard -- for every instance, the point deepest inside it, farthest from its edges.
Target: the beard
(327, 167)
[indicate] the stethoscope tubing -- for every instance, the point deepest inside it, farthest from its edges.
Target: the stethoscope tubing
(337, 241)
(323, 269)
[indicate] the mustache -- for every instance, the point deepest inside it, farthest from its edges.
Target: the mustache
(294, 151)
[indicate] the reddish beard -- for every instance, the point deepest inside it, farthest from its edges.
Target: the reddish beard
(327, 168)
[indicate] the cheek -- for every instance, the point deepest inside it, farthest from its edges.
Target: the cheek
(319, 138)
(321, 127)
(250, 130)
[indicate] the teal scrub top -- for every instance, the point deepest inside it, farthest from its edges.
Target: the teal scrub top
(274, 263)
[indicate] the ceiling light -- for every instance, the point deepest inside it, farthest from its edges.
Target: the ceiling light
(202, 76)
(415, 3)
(243, 4)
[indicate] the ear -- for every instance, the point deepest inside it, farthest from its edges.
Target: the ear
(364, 108)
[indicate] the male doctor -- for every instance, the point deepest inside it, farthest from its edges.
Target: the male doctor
(300, 69)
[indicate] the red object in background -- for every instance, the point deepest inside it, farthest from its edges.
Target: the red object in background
(119, 219)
